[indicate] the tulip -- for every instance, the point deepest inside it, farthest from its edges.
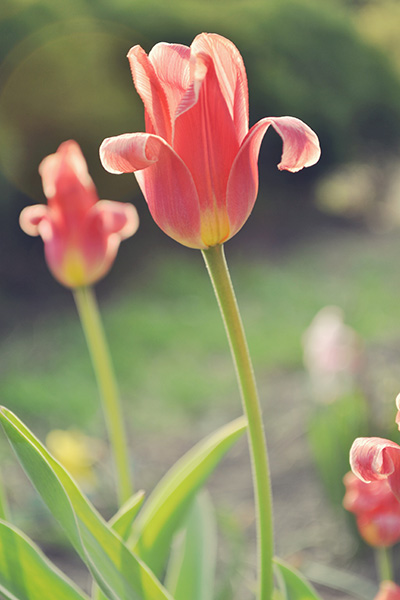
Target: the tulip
(81, 234)
(376, 459)
(197, 162)
(388, 591)
(376, 508)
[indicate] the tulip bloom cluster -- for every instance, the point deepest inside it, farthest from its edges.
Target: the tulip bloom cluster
(81, 234)
(197, 162)
(376, 508)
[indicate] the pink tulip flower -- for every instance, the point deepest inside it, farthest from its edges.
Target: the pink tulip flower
(376, 459)
(81, 234)
(197, 162)
(388, 591)
(376, 508)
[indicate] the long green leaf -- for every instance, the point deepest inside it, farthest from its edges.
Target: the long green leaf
(191, 568)
(162, 514)
(122, 521)
(118, 572)
(26, 573)
(292, 585)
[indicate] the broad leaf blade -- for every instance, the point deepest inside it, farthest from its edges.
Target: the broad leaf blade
(26, 573)
(292, 585)
(119, 573)
(191, 568)
(122, 521)
(164, 510)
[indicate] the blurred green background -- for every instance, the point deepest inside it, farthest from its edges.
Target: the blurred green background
(64, 74)
(327, 235)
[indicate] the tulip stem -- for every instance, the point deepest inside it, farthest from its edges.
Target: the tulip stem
(384, 563)
(218, 270)
(98, 349)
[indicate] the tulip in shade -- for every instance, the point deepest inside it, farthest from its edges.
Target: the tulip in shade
(197, 162)
(388, 591)
(81, 234)
(376, 508)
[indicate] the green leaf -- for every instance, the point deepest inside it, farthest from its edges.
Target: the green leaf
(122, 521)
(162, 514)
(120, 574)
(292, 585)
(26, 573)
(339, 580)
(191, 568)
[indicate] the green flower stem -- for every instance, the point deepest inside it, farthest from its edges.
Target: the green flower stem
(384, 564)
(219, 274)
(92, 326)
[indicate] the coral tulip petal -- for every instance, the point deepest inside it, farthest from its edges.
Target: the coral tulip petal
(171, 66)
(397, 419)
(115, 217)
(374, 458)
(231, 74)
(151, 92)
(66, 180)
(300, 149)
(206, 140)
(164, 179)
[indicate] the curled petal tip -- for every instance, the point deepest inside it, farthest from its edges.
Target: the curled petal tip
(31, 217)
(301, 146)
(127, 153)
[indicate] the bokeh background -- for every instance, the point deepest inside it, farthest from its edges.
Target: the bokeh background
(327, 235)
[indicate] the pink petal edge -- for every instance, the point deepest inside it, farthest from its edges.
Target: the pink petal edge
(300, 149)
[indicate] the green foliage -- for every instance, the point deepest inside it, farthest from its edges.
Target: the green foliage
(191, 568)
(292, 585)
(156, 524)
(119, 573)
(25, 572)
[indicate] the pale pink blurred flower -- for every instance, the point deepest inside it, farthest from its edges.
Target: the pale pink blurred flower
(332, 353)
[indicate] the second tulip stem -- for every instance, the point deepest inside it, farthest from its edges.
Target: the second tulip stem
(98, 349)
(219, 274)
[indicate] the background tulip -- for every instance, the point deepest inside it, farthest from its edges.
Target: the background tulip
(388, 591)
(376, 508)
(197, 162)
(81, 234)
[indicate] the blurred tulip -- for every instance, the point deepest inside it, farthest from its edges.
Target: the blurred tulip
(197, 162)
(376, 459)
(376, 508)
(81, 234)
(388, 591)
(332, 353)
